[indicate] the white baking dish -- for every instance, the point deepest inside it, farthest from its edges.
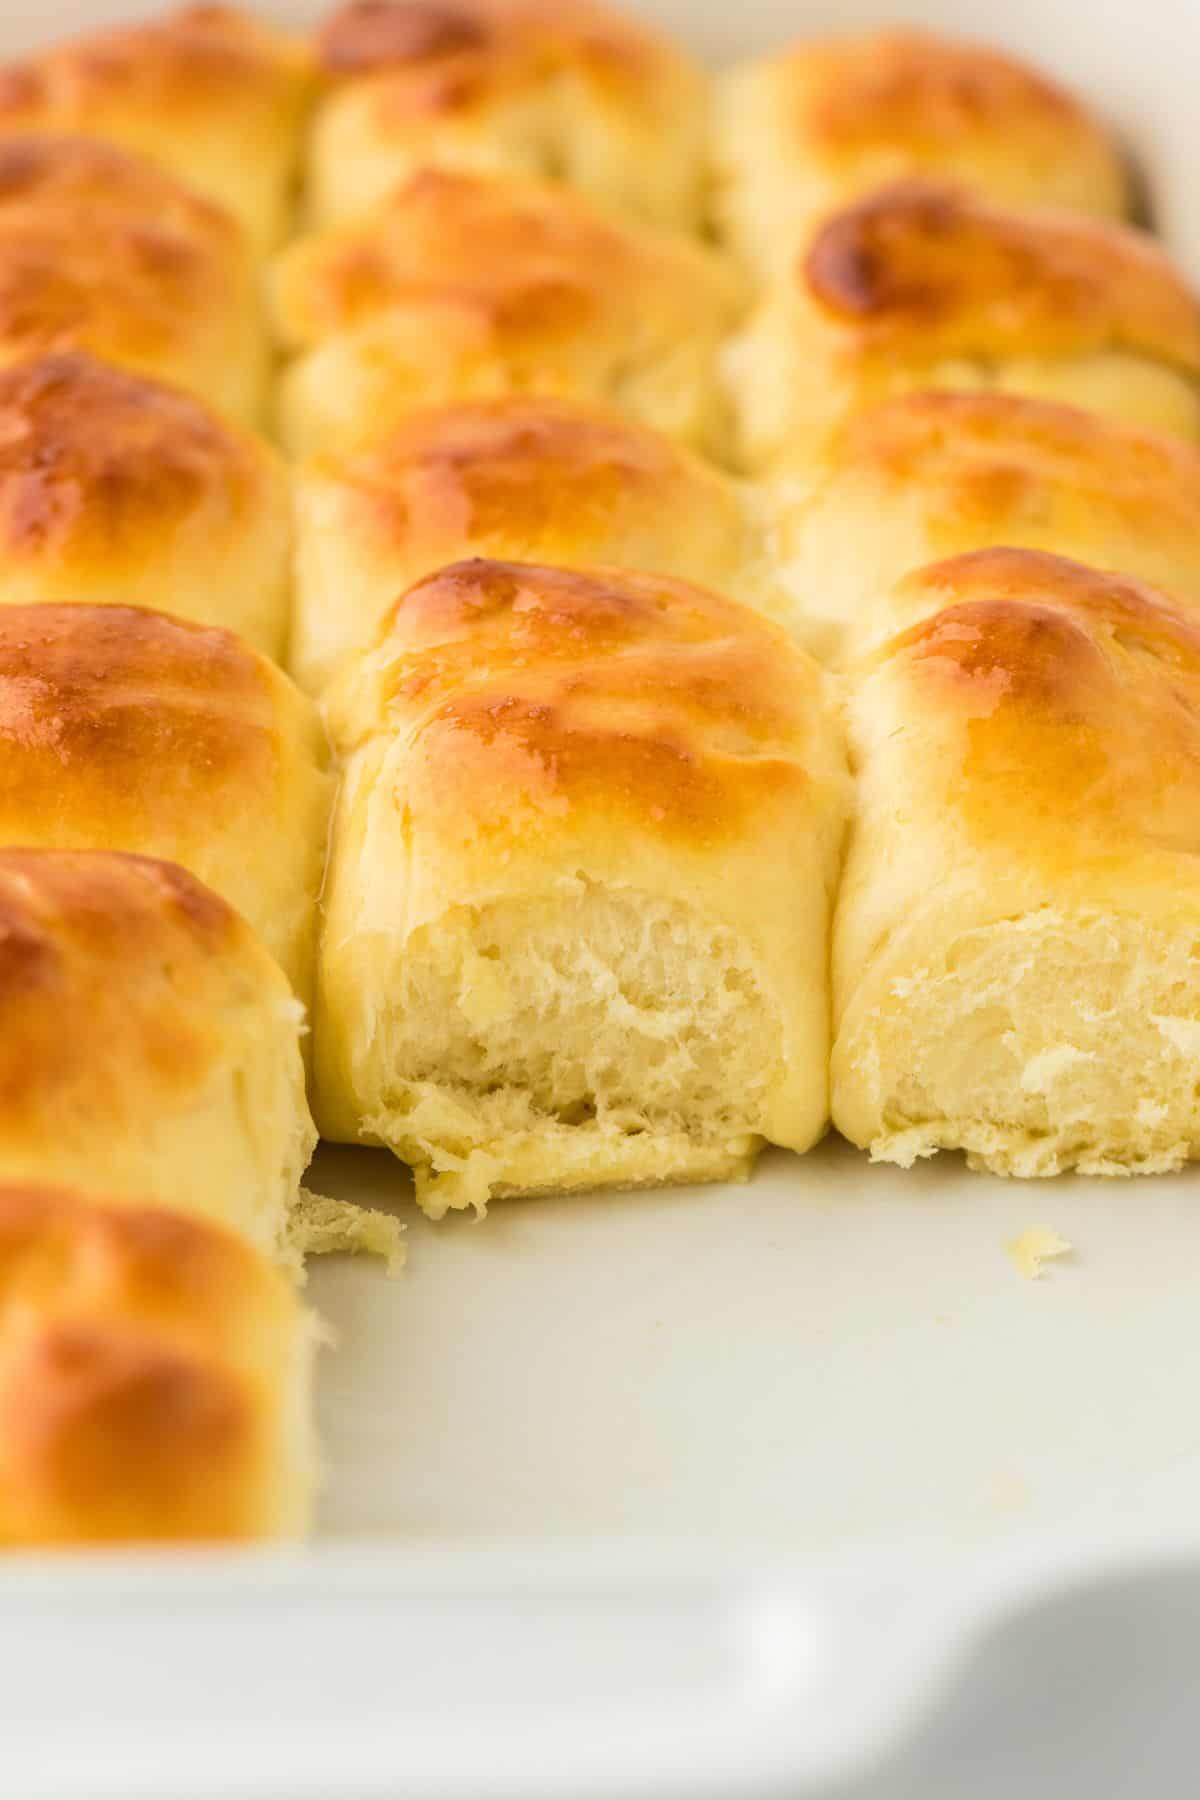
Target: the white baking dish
(790, 1489)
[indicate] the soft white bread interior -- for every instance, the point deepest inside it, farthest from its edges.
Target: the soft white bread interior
(1015, 951)
(115, 488)
(521, 480)
(926, 285)
(466, 287)
(124, 729)
(154, 1378)
(931, 475)
(576, 912)
(807, 129)
(149, 1045)
(216, 97)
(556, 89)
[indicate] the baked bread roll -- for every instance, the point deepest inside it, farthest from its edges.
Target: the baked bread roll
(154, 1378)
(926, 286)
(545, 88)
(214, 96)
(1014, 961)
(931, 475)
(101, 251)
(468, 288)
(813, 127)
(149, 1046)
(576, 909)
(123, 729)
(525, 480)
(117, 488)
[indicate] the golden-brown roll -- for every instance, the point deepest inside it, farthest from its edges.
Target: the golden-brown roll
(1015, 968)
(575, 917)
(465, 287)
(116, 488)
(926, 286)
(931, 475)
(149, 1046)
(812, 127)
(102, 251)
(213, 95)
(547, 88)
(124, 729)
(154, 1378)
(527, 480)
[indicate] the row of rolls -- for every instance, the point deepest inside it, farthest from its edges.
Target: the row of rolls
(649, 610)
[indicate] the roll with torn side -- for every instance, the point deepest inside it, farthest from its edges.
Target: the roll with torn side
(216, 97)
(467, 287)
(521, 480)
(924, 285)
(575, 922)
(932, 475)
(155, 1374)
(125, 729)
(808, 129)
(560, 89)
(149, 1045)
(102, 251)
(122, 490)
(1015, 946)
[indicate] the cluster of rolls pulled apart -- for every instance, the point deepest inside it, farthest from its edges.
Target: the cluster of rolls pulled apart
(569, 616)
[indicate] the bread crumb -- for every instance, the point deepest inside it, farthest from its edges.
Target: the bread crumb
(319, 1226)
(1033, 1248)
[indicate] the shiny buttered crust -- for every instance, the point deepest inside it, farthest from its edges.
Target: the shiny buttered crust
(547, 88)
(924, 285)
(576, 911)
(118, 489)
(809, 129)
(527, 480)
(1015, 964)
(931, 475)
(214, 96)
(465, 287)
(102, 251)
(149, 1045)
(154, 1378)
(125, 729)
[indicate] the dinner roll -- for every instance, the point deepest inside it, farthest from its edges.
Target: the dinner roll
(812, 127)
(149, 1046)
(468, 288)
(154, 1378)
(521, 479)
(576, 912)
(214, 96)
(550, 88)
(117, 488)
(1015, 968)
(101, 251)
(932, 474)
(124, 729)
(926, 286)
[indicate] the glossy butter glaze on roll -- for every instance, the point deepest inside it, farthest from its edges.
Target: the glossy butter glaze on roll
(118, 489)
(125, 729)
(575, 917)
(465, 287)
(561, 89)
(154, 1378)
(213, 95)
(808, 129)
(923, 285)
(101, 251)
(529, 480)
(149, 1045)
(1015, 968)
